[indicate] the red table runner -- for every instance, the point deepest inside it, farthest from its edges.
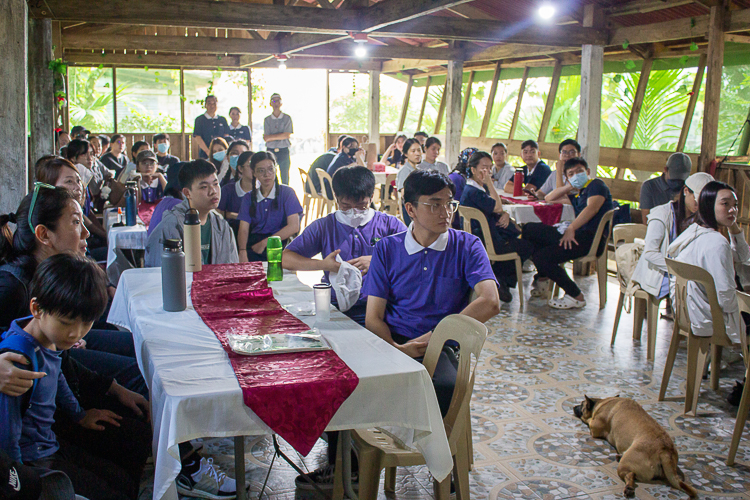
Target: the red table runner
(295, 394)
(146, 211)
(548, 213)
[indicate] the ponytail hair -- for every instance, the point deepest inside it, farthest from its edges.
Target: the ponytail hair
(241, 161)
(19, 247)
(257, 158)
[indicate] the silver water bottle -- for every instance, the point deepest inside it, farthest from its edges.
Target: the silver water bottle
(173, 288)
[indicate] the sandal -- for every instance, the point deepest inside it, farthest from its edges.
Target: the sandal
(566, 302)
(541, 289)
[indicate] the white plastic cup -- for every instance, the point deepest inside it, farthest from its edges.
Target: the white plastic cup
(322, 293)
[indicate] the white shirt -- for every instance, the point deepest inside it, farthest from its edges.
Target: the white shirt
(473, 183)
(412, 246)
(238, 189)
(209, 116)
(239, 126)
(259, 197)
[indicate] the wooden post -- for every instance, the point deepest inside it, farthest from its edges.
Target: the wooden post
(114, 97)
(453, 122)
(185, 152)
(490, 102)
(13, 85)
(41, 90)
(250, 105)
(467, 98)
(373, 110)
(550, 104)
(635, 112)
(521, 89)
(405, 106)
(714, 62)
(57, 52)
(441, 109)
(744, 144)
(424, 103)
(328, 110)
(691, 103)
(592, 68)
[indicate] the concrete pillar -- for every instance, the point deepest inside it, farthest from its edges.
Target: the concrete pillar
(373, 110)
(13, 85)
(41, 90)
(453, 125)
(592, 67)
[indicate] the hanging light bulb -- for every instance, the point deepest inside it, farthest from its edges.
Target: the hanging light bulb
(360, 40)
(282, 65)
(360, 51)
(281, 59)
(546, 11)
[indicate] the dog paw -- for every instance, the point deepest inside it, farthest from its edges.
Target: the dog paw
(629, 492)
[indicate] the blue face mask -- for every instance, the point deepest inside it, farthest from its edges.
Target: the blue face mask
(219, 155)
(233, 160)
(579, 180)
(163, 147)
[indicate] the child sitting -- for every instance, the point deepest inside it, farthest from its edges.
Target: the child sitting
(152, 183)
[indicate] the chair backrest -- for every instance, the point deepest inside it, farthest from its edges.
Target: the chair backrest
(605, 222)
(743, 299)
(684, 273)
(627, 233)
(470, 335)
(469, 214)
(324, 177)
(307, 181)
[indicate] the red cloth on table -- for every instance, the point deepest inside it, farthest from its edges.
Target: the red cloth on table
(295, 394)
(548, 213)
(145, 211)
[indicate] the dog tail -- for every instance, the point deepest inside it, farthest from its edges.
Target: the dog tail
(669, 466)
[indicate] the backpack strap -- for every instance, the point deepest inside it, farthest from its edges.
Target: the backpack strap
(23, 346)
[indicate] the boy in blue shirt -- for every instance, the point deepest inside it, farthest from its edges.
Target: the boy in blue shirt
(69, 293)
(535, 171)
(554, 245)
(426, 273)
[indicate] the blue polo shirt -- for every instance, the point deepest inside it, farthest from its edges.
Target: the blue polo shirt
(270, 216)
(424, 285)
(325, 235)
(209, 128)
(539, 176)
(594, 187)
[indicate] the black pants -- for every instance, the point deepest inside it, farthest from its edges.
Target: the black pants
(505, 271)
(93, 477)
(549, 254)
(284, 162)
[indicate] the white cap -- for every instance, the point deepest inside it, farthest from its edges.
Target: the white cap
(698, 181)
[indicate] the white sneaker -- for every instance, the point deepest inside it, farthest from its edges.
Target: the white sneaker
(528, 266)
(566, 302)
(541, 289)
(208, 482)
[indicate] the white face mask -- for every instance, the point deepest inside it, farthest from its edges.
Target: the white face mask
(355, 217)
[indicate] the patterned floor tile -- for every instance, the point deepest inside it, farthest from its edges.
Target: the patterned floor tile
(578, 449)
(521, 363)
(618, 377)
(534, 351)
(514, 438)
(482, 429)
(568, 370)
(483, 479)
(500, 393)
(545, 341)
(710, 474)
(587, 479)
(544, 401)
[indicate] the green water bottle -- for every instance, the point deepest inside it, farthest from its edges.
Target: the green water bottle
(273, 250)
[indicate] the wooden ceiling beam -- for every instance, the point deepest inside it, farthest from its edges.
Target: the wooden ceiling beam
(152, 60)
(389, 12)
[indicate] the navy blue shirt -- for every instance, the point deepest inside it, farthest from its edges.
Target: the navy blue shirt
(241, 132)
(482, 201)
(208, 129)
(594, 187)
(539, 176)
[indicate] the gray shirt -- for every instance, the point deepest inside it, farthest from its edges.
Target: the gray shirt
(500, 177)
(280, 125)
(655, 192)
(438, 166)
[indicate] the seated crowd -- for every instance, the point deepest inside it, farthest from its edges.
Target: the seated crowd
(84, 397)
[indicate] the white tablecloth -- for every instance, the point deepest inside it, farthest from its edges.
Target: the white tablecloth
(525, 213)
(123, 237)
(380, 176)
(194, 392)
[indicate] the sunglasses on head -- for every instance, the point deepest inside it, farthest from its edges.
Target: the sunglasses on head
(37, 186)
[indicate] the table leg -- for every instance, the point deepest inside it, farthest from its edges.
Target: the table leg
(239, 466)
(346, 451)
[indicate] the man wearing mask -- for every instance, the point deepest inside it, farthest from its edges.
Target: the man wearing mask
(663, 189)
(350, 154)
(208, 126)
(277, 129)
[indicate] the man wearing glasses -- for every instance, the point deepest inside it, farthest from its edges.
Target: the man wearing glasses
(418, 277)
(568, 149)
(277, 129)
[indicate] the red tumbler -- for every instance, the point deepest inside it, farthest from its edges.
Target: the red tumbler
(518, 183)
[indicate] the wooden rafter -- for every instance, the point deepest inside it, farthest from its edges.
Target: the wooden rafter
(550, 104)
(467, 98)
(635, 112)
(517, 111)
(405, 105)
(490, 101)
(441, 109)
(424, 103)
(692, 103)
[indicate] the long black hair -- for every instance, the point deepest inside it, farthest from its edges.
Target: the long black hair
(18, 247)
(76, 148)
(244, 156)
(707, 203)
(474, 161)
(257, 158)
(407, 146)
(682, 219)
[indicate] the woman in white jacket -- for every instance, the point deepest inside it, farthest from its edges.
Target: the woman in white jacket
(665, 223)
(704, 246)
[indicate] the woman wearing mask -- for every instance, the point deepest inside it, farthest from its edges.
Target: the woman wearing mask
(665, 223)
(228, 169)
(218, 151)
(270, 209)
(350, 154)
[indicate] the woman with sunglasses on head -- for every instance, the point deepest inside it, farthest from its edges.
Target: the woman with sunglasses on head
(272, 209)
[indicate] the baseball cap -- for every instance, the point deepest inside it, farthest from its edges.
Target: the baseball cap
(275, 96)
(698, 181)
(679, 166)
(144, 155)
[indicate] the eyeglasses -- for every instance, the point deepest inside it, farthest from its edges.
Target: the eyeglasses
(571, 153)
(449, 207)
(261, 172)
(37, 185)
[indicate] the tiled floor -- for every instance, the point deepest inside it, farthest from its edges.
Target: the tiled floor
(535, 367)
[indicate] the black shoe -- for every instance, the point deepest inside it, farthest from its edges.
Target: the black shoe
(504, 292)
(736, 395)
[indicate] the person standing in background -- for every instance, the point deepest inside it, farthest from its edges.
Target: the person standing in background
(236, 129)
(208, 126)
(277, 129)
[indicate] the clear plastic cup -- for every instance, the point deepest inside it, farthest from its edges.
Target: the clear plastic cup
(322, 293)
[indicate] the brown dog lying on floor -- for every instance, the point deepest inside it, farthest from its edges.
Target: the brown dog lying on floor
(645, 450)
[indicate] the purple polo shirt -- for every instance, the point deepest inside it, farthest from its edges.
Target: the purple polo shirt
(269, 219)
(428, 285)
(230, 202)
(325, 235)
